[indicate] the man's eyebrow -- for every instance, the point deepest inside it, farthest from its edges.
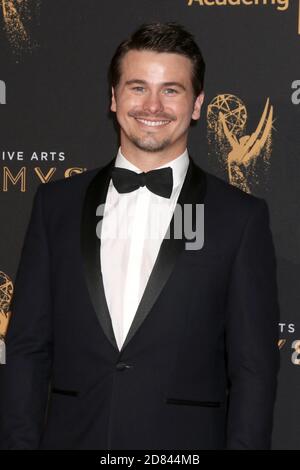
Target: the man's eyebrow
(135, 80)
(143, 82)
(179, 85)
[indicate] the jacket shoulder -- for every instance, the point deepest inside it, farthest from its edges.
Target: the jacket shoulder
(69, 184)
(66, 195)
(222, 193)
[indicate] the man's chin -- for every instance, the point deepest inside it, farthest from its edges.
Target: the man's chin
(151, 147)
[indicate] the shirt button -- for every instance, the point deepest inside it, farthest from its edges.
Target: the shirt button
(122, 366)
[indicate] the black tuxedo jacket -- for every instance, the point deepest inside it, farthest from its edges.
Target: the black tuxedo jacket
(198, 367)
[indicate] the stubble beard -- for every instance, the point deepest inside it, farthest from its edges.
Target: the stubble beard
(149, 146)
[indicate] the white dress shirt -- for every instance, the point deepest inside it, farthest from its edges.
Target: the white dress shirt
(133, 227)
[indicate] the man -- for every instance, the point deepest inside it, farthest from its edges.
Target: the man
(142, 342)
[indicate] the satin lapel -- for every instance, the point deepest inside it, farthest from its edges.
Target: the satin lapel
(192, 192)
(90, 247)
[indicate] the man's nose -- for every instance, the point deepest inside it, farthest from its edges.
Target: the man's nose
(153, 103)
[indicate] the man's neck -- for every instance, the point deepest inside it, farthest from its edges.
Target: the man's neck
(147, 161)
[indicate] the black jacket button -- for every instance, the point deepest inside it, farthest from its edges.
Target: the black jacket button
(122, 366)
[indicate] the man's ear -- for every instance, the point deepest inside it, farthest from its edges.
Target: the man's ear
(113, 106)
(197, 106)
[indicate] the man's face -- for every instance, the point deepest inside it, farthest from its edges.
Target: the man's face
(154, 102)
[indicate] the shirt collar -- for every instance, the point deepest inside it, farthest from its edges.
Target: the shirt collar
(179, 166)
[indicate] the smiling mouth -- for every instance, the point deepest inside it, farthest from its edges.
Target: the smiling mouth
(146, 122)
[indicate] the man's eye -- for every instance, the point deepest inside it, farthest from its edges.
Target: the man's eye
(170, 91)
(138, 88)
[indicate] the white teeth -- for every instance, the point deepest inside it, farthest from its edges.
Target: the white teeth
(153, 123)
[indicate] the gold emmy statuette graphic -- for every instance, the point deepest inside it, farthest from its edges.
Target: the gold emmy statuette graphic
(281, 343)
(17, 15)
(6, 292)
(227, 117)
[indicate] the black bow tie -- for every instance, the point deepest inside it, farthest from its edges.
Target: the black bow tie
(158, 181)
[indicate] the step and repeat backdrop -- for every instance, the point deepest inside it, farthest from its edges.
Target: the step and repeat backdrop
(55, 122)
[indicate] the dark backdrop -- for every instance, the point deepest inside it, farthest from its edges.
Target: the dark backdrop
(53, 66)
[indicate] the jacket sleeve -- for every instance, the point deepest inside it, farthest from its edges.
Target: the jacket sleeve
(252, 336)
(24, 379)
